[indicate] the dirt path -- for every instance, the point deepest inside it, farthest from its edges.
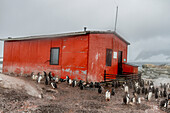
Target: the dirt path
(18, 94)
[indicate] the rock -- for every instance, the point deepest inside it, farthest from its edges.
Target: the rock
(148, 66)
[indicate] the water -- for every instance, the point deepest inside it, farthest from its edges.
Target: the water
(163, 78)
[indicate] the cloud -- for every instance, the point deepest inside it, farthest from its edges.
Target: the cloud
(144, 23)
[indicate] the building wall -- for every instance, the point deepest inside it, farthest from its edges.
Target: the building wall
(24, 57)
(98, 43)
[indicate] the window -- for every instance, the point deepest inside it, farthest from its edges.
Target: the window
(54, 56)
(108, 57)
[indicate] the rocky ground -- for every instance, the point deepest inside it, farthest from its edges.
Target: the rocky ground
(22, 94)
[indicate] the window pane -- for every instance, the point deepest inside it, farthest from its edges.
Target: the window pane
(108, 57)
(54, 56)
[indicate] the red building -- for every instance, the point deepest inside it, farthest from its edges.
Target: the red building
(81, 55)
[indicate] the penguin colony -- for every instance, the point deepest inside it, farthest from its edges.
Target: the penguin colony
(145, 88)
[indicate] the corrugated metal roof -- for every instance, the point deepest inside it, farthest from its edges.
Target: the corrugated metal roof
(64, 35)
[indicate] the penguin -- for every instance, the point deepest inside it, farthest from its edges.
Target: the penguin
(56, 79)
(100, 90)
(156, 90)
(138, 100)
(54, 85)
(61, 80)
(91, 85)
(112, 92)
(161, 86)
(169, 96)
(116, 84)
(149, 96)
(39, 78)
(46, 78)
(50, 76)
(80, 83)
(126, 99)
(113, 84)
(74, 83)
(164, 93)
(138, 90)
(81, 86)
(146, 91)
(153, 89)
(164, 103)
(133, 100)
(67, 79)
(156, 95)
(107, 95)
(70, 82)
(96, 84)
(33, 76)
(126, 89)
(143, 90)
(160, 93)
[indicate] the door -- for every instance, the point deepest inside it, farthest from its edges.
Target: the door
(120, 62)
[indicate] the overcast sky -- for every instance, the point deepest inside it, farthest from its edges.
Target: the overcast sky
(144, 23)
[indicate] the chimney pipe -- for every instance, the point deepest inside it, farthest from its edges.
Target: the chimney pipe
(85, 28)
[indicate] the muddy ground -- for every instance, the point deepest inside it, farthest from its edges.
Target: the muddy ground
(65, 99)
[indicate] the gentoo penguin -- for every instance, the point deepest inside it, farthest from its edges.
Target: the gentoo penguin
(143, 90)
(74, 83)
(156, 95)
(46, 78)
(39, 78)
(149, 95)
(164, 93)
(116, 84)
(113, 84)
(56, 79)
(160, 93)
(133, 100)
(34, 77)
(138, 100)
(67, 79)
(96, 84)
(146, 91)
(80, 83)
(100, 89)
(54, 85)
(164, 103)
(112, 92)
(138, 90)
(81, 86)
(50, 76)
(91, 85)
(126, 89)
(126, 99)
(169, 96)
(70, 82)
(107, 95)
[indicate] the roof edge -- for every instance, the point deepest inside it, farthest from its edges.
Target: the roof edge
(66, 34)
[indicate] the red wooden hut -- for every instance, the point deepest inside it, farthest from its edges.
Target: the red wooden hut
(81, 55)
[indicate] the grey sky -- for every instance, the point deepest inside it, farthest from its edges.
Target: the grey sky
(144, 23)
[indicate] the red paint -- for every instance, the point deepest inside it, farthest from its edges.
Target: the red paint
(81, 57)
